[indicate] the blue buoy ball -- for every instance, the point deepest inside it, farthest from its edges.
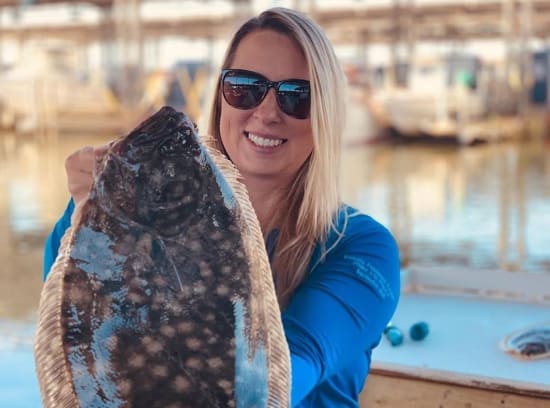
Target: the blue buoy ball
(394, 335)
(419, 331)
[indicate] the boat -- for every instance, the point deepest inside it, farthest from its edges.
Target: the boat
(453, 98)
(460, 362)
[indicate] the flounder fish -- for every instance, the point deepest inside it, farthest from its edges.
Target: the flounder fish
(531, 343)
(162, 293)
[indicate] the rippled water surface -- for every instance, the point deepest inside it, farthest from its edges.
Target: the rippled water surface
(484, 207)
(481, 207)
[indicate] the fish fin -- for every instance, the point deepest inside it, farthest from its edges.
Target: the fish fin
(264, 313)
(52, 370)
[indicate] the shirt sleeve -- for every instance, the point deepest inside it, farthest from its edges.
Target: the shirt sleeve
(342, 308)
(51, 247)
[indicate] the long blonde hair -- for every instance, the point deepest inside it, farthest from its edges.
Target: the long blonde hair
(307, 212)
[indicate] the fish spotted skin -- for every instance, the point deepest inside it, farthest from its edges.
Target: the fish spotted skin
(156, 299)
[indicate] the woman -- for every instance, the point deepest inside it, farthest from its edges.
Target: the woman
(278, 114)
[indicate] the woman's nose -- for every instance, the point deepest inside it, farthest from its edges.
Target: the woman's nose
(268, 110)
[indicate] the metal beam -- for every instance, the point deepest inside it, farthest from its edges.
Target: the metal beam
(27, 3)
(441, 22)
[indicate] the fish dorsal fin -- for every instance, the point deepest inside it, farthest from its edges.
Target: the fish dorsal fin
(50, 358)
(264, 313)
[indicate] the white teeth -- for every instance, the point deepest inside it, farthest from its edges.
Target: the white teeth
(262, 141)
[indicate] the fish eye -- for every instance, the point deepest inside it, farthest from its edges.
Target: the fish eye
(175, 145)
(172, 121)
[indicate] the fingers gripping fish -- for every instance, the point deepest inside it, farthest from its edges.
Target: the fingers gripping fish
(162, 294)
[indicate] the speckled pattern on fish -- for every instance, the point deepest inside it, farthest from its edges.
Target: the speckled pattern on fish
(162, 295)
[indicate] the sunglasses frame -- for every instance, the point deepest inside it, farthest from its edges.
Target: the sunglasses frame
(268, 84)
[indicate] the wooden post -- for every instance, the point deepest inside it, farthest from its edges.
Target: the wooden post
(106, 41)
(521, 197)
(130, 50)
(1, 42)
(363, 58)
(403, 39)
(504, 198)
(507, 29)
(547, 118)
(394, 43)
(410, 32)
(526, 19)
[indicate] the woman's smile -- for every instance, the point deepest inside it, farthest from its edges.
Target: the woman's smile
(266, 142)
(263, 141)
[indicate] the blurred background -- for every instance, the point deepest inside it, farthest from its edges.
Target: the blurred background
(446, 142)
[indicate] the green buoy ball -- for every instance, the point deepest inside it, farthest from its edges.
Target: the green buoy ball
(419, 331)
(394, 335)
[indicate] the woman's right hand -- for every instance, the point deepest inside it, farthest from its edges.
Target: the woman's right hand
(80, 167)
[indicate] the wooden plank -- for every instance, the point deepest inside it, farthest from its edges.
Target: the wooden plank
(388, 391)
(469, 381)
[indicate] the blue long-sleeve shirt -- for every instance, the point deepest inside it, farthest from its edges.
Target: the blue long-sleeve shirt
(336, 317)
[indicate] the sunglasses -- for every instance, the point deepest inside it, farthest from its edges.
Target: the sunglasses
(244, 89)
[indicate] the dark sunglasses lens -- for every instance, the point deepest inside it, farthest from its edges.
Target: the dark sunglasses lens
(243, 91)
(294, 99)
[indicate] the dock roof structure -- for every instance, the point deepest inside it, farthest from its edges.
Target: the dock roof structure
(364, 22)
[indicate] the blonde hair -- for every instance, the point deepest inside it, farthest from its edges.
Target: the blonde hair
(308, 211)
